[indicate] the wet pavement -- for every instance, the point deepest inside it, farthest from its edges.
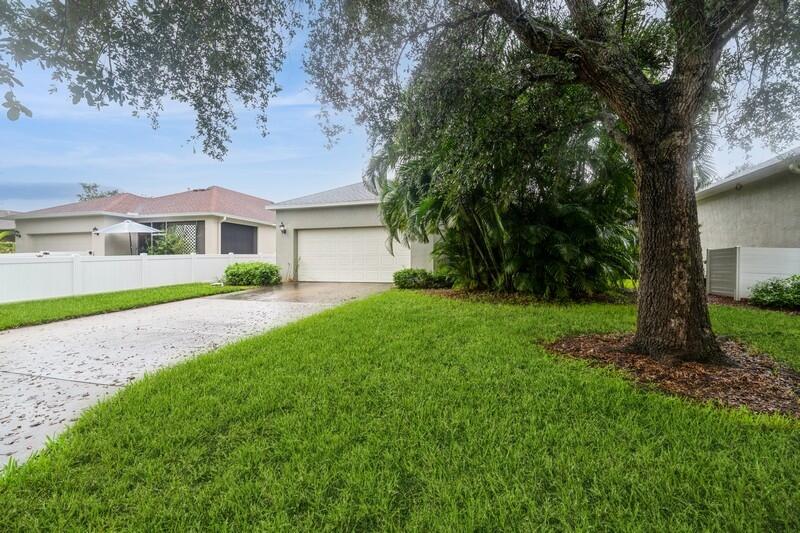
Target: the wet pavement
(50, 373)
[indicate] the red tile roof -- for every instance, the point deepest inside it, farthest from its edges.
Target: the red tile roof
(214, 199)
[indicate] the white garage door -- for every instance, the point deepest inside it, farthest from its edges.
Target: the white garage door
(348, 254)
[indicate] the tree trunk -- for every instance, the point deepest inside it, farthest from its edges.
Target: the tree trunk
(673, 321)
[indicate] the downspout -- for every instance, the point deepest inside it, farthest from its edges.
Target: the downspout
(219, 234)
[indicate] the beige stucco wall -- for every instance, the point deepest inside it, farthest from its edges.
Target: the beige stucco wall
(765, 213)
(69, 234)
(74, 234)
(349, 216)
(266, 239)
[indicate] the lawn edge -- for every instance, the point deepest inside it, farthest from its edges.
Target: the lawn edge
(115, 310)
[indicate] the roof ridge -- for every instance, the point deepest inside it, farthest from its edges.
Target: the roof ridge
(210, 200)
(221, 188)
(354, 193)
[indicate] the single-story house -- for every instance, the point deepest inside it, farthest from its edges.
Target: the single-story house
(211, 221)
(7, 223)
(758, 207)
(338, 235)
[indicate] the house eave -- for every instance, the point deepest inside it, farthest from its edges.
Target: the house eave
(760, 172)
(138, 216)
(278, 207)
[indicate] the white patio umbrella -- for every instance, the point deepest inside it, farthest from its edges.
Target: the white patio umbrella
(129, 227)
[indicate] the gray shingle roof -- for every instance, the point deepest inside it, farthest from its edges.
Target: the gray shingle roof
(6, 224)
(356, 193)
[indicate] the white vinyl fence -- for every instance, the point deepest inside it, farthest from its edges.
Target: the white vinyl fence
(27, 277)
(733, 271)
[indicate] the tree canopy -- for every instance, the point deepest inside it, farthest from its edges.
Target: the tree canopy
(207, 54)
(90, 191)
(360, 53)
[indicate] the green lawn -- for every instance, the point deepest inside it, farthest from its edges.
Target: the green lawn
(408, 411)
(18, 314)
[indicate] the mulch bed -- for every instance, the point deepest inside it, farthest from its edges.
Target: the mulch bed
(748, 380)
(518, 298)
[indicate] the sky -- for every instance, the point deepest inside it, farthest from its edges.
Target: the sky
(45, 157)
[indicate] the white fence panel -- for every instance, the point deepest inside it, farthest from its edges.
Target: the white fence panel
(721, 271)
(759, 264)
(31, 277)
(35, 277)
(209, 266)
(109, 273)
(167, 270)
(734, 271)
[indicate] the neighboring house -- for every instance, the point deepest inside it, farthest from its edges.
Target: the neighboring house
(211, 221)
(758, 207)
(337, 235)
(7, 232)
(7, 223)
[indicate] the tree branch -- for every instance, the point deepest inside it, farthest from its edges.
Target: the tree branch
(541, 38)
(450, 24)
(587, 19)
(624, 19)
(733, 16)
(610, 70)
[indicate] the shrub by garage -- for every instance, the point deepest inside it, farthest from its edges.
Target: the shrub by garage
(252, 274)
(419, 278)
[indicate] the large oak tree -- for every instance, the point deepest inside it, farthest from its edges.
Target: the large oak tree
(658, 67)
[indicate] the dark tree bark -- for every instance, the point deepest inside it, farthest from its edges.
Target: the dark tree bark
(673, 320)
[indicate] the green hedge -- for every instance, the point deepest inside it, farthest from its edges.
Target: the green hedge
(418, 278)
(777, 293)
(252, 274)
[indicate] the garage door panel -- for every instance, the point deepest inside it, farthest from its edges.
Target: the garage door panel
(348, 254)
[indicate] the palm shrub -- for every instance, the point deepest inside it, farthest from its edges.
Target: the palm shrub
(777, 293)
(526, 195)
(255, 273)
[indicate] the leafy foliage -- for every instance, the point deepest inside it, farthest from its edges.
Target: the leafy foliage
(252, 274)
(208, 55)
(519, 188)
(170, 243)
(360, 53)
(90, 191)
(419, 278)
(6, 247)
(777, 293)
(363, 52)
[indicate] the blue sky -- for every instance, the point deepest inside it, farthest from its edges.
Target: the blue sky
(45, 157)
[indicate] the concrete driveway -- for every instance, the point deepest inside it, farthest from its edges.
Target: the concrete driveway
(50, 373)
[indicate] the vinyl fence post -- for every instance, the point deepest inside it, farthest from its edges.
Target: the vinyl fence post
(192, 259)
(142, 267)
(736, 294)
(76, 274)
